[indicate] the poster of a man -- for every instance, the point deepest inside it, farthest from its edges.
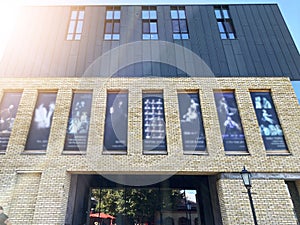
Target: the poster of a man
(79, 122)
(230, 122)
(8, 112)
(41, 123)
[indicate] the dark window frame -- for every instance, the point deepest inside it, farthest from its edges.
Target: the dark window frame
(149, 34)
(113, 33)
(182, 33)
(224, 22)
(75, 34)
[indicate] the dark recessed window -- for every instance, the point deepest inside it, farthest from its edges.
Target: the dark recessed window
(179, 23)
(225, 23)
(149, 18)
(112, 23)
(76, 24)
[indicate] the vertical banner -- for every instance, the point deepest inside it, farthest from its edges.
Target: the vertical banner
(116, 120)
(192, 130)
(41, 122)
(79, 122)
(154, 129)
(8, 111)
(230, 122)
(268, 121)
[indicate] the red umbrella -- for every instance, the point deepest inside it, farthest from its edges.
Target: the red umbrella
(101, 215)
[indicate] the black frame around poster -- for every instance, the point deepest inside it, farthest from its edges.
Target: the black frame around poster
(116, 122)
(79, 122)
(154, 126)
(41, 122)
(8, 111)
(230, 121)
(192, 130)
(268, 121)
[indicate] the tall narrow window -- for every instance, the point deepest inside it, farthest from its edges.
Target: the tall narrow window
(179, 23)
(230, 122)
(79, 122)
(76, 23)
(268, 121)
(225, 23)
(112, 23)
(8, 111)
(41, 123)
(154, 128)
(149, 17)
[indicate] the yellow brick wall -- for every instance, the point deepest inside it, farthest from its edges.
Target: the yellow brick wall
(55, 167)
(271, 201)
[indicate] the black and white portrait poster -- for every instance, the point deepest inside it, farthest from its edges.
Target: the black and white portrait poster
(116, 122)
(230, 122)
(154, 129)
(192, 131)
(8, 111)
(79, 121)
(41, 122)
(270, 128)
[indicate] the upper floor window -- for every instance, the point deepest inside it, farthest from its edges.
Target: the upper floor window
(112, 23)
(149, 17)
(224, 22)
(179, 23)
(76, 23)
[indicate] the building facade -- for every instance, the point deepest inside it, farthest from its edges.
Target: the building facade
(150, 98)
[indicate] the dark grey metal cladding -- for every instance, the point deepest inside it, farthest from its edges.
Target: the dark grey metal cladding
(263, 44)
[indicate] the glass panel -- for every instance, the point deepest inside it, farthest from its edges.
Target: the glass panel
(41, 122)
(218, 14)
(154, 132)
(231, 36)
(81, 15)
(146, 36)
(268, 121)
(69, 37)
(221, 27)
(74, 15)
(79, 122)
(153, 27)
(153, 14)
(181, 14)
(176, 36)
(116, 28)
(107, 37)
(8, 111)
(117, 15)
(116, 37)
(175, 25)
(115, 134)
(79, 27)
(109, 15)
(77, 37)
(145, 15)
(230, 122)
(146, 27)
(183, 26)
(108, 27)
(192, 130)
(185, 36)
(154, 36)
(174, 14)
(223, 36)
(226, 13)
(228, 27)
(71, 27)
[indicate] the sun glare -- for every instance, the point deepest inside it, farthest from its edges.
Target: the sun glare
(8, 16)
